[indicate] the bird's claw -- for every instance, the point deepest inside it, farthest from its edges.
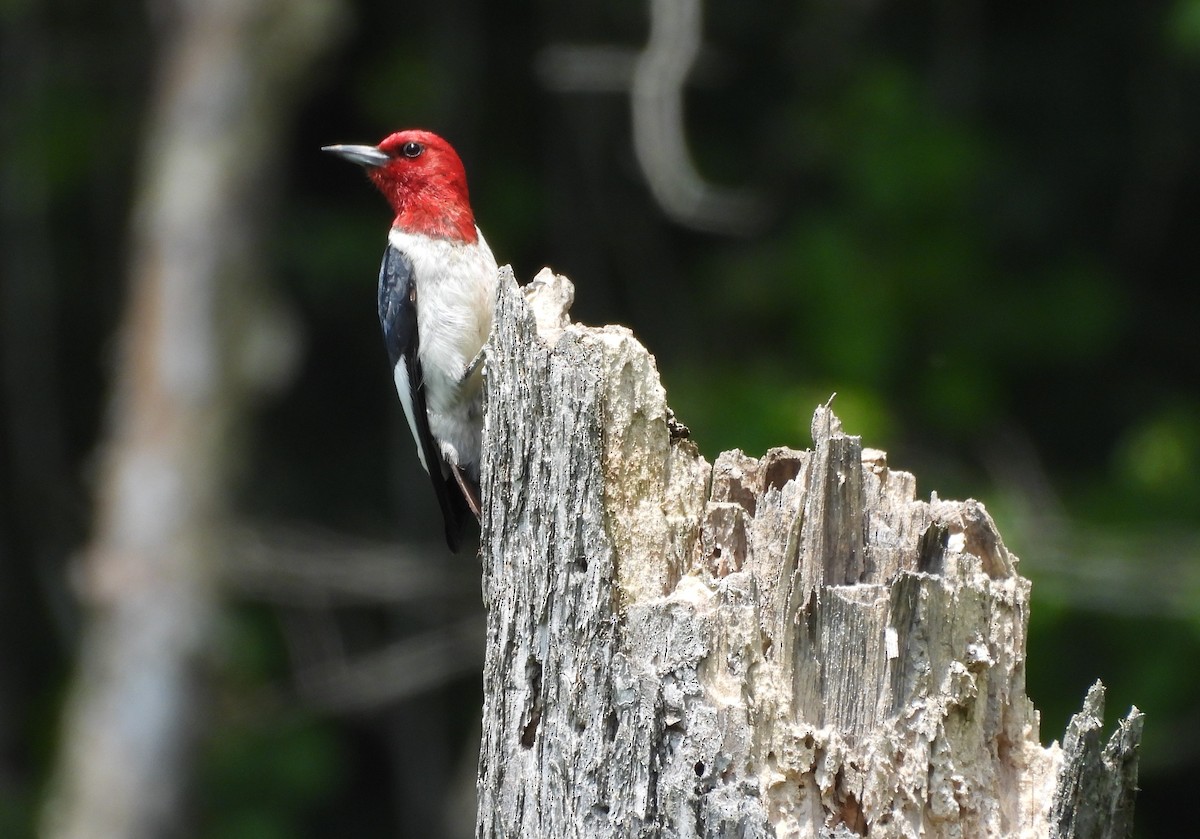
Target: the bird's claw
(469, 490)
(475, 364)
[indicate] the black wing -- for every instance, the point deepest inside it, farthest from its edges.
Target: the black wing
(398, 317)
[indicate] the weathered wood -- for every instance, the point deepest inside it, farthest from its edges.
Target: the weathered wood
(788, 646)
(1096, 784)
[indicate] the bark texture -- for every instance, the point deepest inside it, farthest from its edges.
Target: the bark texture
(788, 646)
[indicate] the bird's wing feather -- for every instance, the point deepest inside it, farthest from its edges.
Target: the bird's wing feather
(398, 317)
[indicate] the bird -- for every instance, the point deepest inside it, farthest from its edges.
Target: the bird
(437, 293)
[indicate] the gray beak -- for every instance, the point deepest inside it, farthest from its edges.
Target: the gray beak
(362, 155)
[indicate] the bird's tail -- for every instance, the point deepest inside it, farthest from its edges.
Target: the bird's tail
(462, 503)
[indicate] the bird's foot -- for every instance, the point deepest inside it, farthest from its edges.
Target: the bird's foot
(474, 366)
(469, 490)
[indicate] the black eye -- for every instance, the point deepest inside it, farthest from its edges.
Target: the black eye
(412, 149)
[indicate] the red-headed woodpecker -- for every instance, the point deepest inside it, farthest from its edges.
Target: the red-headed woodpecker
(437, 291)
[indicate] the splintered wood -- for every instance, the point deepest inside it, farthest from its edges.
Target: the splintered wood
(787, 646)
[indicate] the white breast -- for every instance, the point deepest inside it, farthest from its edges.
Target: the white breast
(456, 293)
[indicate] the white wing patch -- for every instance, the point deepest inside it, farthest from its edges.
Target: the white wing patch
(405, 394)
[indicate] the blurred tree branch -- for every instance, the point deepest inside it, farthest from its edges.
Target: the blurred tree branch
(309, 576)
(300, 566)
(1114, 569)
(654, 79)
(192, 350)
(656, 99)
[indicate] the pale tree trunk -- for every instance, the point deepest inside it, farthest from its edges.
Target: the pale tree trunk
(791, 646)
(197, 335)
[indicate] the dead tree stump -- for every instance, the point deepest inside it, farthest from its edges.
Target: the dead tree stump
(790, 646)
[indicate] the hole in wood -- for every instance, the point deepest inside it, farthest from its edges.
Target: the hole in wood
(533, 673)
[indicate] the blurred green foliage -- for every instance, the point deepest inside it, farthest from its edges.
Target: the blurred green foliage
(261, 781)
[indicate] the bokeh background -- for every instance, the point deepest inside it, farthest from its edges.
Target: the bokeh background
(975, 222)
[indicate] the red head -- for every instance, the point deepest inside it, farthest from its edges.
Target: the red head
(423, 179)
